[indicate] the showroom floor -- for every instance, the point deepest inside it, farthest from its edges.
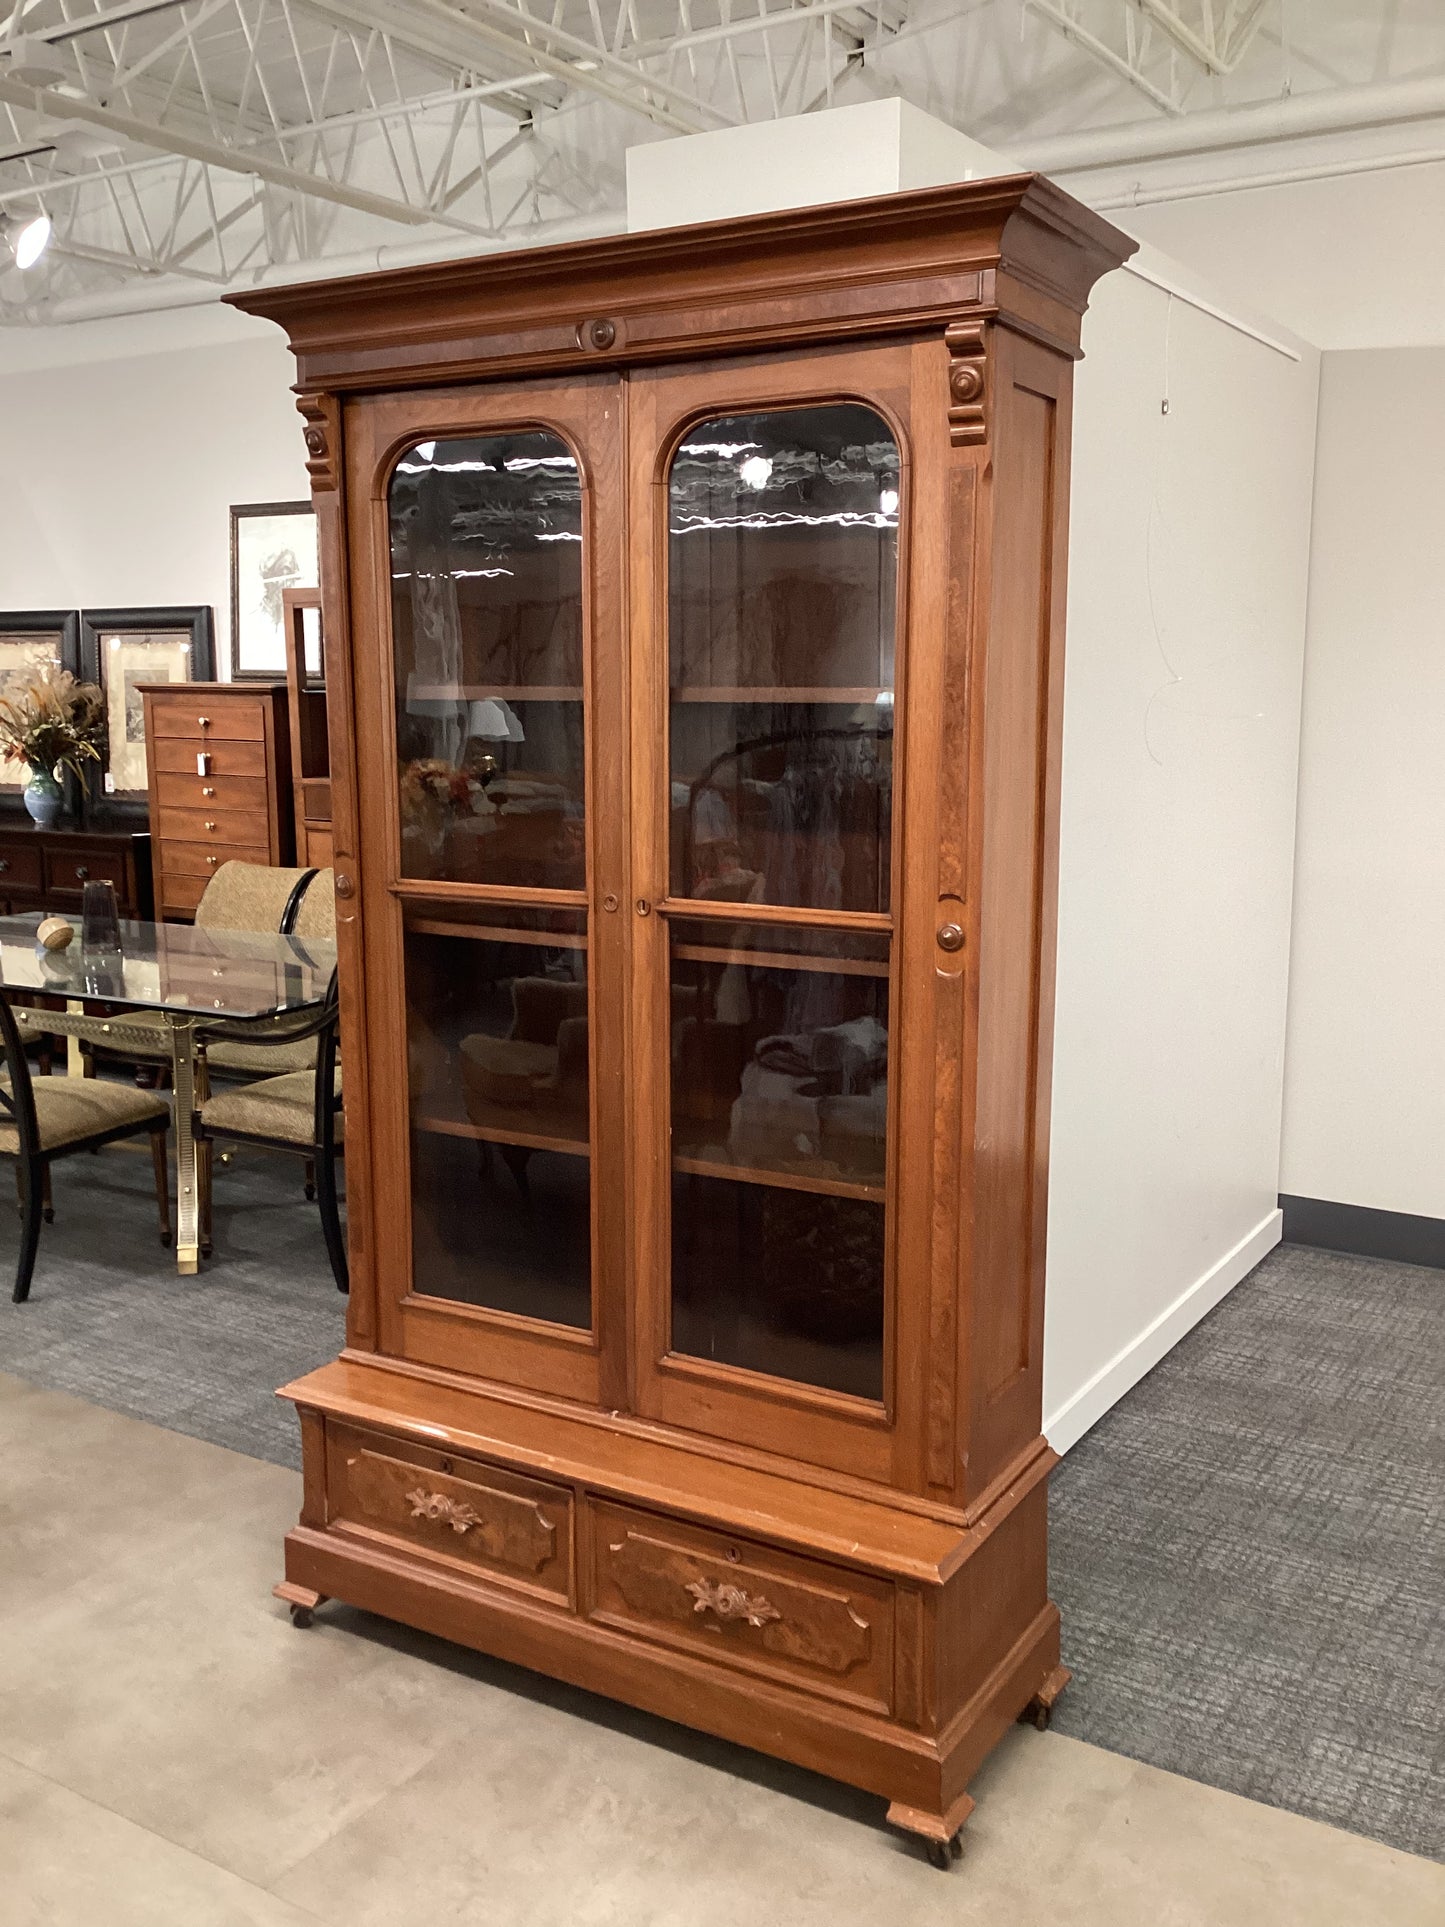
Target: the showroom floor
(172, 1750)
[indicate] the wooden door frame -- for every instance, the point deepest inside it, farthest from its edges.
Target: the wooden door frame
(435, 1332)
(829, 1429)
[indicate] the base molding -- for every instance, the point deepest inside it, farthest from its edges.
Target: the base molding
(1364, 1230)
(1068, 1423)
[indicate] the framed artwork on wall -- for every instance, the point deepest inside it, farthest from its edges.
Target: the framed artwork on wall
(120, 649)
(273, 548)
(32, 640)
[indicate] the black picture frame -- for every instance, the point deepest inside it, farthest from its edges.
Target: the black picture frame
(65, 624)
(242, 512)
(131, 807)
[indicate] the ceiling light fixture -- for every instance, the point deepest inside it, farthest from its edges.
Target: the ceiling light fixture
(27, 236)
(34, 61)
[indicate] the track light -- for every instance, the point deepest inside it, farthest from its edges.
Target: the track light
(34, 61)
(27, 236)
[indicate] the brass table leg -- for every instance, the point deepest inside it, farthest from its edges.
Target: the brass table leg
(183, 1072)
(74, 1056)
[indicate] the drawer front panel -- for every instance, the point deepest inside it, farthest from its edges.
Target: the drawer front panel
(180, 894)
(225, 826)
(204, 859)
(493, 1522)
(20, 867)
(210, 793)
(68, 871)
(203, 718)
(768, 1612)
(177, 756)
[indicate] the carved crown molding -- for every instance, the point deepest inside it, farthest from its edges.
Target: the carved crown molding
(968, 396)
(323, 439)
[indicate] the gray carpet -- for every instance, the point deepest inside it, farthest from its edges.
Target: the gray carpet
(1249, 1551)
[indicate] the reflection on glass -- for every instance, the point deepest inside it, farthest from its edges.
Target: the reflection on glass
(486, 566)
(782, 586)
(779, 1150)
(497, 1050)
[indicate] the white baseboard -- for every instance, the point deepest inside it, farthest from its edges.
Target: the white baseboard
(1087, 1406)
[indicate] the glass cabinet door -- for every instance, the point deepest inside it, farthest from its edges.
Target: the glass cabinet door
(779, 628)
(486, 799)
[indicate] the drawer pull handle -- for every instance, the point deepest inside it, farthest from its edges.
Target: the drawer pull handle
(443, 1511)
(210, 826)
(207, 790)
(213, 859)
(4, 864)
(82, 872)
(731, 1602)
(204, 721)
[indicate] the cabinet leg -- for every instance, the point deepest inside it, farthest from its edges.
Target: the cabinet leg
(301, 1599)
(938, 1832)
(1040, 1709)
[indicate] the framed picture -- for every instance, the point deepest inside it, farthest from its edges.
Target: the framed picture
(120, 649)
(32, 640)
(273, 548)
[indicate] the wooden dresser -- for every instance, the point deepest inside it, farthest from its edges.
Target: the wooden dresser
(220, 783)
(49, 869)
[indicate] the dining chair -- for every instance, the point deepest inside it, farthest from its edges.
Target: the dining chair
(48, 1118)
(313, 914)
(298, 1111)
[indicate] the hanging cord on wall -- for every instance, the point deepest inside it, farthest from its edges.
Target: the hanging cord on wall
(1168, 326)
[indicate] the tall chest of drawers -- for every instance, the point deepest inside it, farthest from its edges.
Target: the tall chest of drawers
(220, 783)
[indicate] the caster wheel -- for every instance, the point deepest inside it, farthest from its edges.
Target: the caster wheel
(943, 1853)
(49, 1216)
(207, 1249)
(955, 1847)
(1041, 1717)
(301, 1617)
(166, 1240)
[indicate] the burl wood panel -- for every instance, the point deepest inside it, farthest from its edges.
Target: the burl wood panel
(454, 1509)
(746, 1605)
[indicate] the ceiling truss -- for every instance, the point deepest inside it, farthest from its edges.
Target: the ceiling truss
(220, 141)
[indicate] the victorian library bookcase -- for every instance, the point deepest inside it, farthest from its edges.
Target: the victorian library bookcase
(694, 608)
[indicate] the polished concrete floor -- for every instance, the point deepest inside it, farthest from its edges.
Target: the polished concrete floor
(172, 1751)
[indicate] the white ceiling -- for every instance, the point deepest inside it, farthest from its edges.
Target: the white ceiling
(206, 144)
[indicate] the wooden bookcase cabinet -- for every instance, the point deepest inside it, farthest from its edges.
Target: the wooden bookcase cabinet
(694, 609)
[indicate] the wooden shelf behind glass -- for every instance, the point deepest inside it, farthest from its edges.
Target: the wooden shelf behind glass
(481, 692)
(781, 693)
(781, 1179)
(445, 1122)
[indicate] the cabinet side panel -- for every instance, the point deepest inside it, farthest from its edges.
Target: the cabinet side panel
(1015, 983)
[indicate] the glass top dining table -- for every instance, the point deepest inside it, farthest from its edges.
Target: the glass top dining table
(193, 977)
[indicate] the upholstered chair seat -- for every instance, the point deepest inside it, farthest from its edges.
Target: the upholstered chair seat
(69, 1108)
(277, 1110)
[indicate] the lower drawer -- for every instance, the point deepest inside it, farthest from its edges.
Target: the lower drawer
(459, 1511)
(67, 872)
(224, 826)
(180, 895)
(768, 1612)
(20, 866)
(203, 860)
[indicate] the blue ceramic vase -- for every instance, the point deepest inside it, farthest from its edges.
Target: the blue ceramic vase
(44, 798)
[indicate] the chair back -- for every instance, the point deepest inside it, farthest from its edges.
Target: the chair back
(326, 1041)
(248, 896)
(316, 910)
(17, 1098)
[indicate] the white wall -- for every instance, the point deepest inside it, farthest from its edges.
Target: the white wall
(1365, 1069)
(1354, 261)
(123, 445)
(1187, 584)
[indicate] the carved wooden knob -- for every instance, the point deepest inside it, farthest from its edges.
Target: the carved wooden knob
(345, 887)
(950, 936)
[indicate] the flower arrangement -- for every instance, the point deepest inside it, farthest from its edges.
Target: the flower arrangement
(53, 721)
(430, 780)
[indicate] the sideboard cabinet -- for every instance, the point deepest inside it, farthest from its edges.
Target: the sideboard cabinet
(694, 614)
